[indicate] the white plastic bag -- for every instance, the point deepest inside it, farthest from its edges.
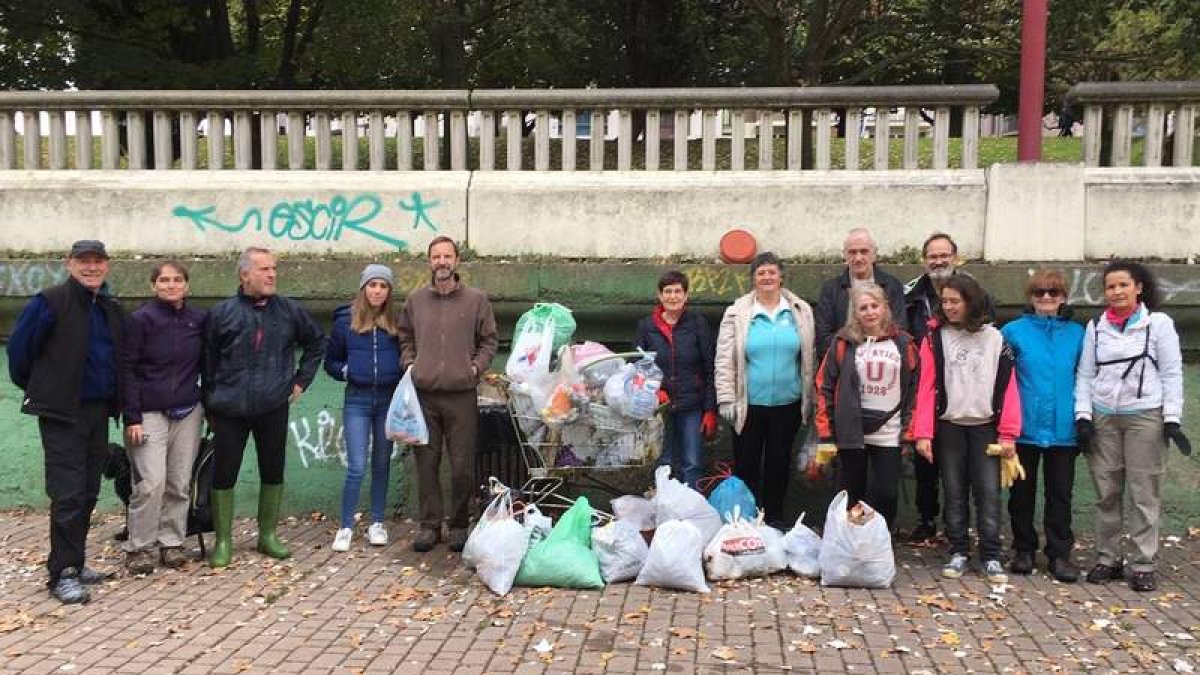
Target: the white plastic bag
(531, 351)
(674, 560)
(500, 547)
(500, 508)
(621, 551)
(637, 511)
(856, 555)
(405, 420)
(736, 551)
(803, 548)
(538, 525)
(614, 388)
(674, 500)
(773, 540)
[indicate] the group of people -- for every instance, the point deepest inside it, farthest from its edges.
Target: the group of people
(881, 370)
(169, 367)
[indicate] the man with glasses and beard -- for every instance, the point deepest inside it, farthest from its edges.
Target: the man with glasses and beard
(921, 299)
(448, 337)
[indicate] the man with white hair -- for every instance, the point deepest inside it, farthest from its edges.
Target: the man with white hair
(860, 252)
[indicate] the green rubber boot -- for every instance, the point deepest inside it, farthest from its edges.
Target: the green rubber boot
(269, 498)
(222, 508)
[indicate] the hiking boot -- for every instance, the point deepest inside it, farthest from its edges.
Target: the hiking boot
(1102, 574)
(173, 556)
(269, 499)
(425, 539)
(1143, 582)
(924, 531)
(91, 577)
(955, 567)
(1063, 570)
(457, 539)
(993, 571)
(341, 540)
(68, 589)
(1022, 562)
(139, 562)
(377, 535)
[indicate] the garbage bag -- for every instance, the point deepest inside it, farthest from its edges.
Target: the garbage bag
(637, 511)
(641, 389)
(732, 493)
(532, 347)
(620, 549)
(567, 394)
(736, 551)
(856, 551)
(500, 548)
(565, 558)
(499, 509)
(614, 388)
(590, 353)
(675, 501)
(674, 560)
(543, 313)
(803, 548)
(405, 420)
(538, 524)
(773, 540)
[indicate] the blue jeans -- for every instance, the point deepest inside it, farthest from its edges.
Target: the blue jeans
(363, 417)
(969, 472)
(683, 446)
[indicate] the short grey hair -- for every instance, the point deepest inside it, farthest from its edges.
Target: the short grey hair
(860, 232)
(244, 258)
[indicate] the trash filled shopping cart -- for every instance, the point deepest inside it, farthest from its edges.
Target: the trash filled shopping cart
(580, 438)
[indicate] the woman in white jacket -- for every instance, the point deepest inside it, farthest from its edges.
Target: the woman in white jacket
(1128, 404)
(764, 381)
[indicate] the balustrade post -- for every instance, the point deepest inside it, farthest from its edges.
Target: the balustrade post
(568, 140)
(295, 140)
(8, 140)
(624, 139)
(349, 140)
(681, 140)
(83, 140)
(514, 125)
(32, 129)
(216, 141)
(163, 150)
(376, 141)
(653, 126)
(823, 160)
(110, 148)
(596, 141)
(187, 140)
(541, 140)
(1185, 130)
(853, 126)
(58, 139)
(737, 141)
(912, 136)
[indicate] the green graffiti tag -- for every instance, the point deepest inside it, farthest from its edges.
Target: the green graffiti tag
(420, 210)
(301, 220)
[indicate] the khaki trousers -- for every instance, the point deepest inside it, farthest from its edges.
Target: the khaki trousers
(1128, 457)
(453, 421)
(162, 476)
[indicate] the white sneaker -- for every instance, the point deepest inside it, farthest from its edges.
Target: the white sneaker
(377, 535)
(341, 540)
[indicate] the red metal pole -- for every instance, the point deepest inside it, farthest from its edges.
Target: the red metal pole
(1033, 80)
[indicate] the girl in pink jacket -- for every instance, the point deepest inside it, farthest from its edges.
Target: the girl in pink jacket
(967, 399)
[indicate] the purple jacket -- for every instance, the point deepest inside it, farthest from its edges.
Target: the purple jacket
(160, 360)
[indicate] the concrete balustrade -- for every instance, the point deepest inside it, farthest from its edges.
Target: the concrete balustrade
(1158, 105)
(171, 122)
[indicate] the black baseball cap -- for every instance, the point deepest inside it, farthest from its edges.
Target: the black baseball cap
(85, 246)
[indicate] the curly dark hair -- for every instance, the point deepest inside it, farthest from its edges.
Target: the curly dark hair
(1150, 295)
(973, 296)
(671, 278)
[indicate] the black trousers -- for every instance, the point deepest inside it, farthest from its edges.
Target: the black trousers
(762, 454)
(872, 474)
(1058, 475)
(229, 443)
(76, 453)
(928, 479)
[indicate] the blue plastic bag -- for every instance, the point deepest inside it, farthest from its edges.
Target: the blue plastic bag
(730, 493)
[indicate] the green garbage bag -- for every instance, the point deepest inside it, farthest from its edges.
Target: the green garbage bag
(564, 559)
(564, 322)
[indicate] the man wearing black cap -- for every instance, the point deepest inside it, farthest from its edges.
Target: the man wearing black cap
(63, 354)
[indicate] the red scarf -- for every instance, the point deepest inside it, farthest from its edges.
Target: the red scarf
(1118, 318)
(661, 322)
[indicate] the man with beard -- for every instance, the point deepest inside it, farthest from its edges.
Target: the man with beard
(448, 337)
(921, 298)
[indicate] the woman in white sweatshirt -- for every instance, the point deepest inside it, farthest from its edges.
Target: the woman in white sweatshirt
(1128, 404)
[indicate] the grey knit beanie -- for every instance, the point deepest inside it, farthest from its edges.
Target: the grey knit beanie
(375, 271)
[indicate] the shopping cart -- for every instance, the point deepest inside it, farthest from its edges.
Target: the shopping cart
(596, 449)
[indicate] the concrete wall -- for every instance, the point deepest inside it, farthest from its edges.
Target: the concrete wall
(1009, 212)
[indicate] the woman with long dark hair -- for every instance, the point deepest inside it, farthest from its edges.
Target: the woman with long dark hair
(1128, 405)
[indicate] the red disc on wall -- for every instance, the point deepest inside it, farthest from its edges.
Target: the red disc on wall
(738, 247)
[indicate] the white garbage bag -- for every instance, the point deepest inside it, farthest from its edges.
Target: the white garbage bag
(803, 548)
(405, 420)
(773, 540)
(674, 560)
(637, 511)
(500, 547)
(674, 500)
(856, 551)
(737, 551)
(499, 509)
(621, 550)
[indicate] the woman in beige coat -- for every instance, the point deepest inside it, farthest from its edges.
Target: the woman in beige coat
(764, 380)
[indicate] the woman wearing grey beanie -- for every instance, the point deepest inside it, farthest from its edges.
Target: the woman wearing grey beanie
(364, 352)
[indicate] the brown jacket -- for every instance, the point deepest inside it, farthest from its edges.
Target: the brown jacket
(443, 336)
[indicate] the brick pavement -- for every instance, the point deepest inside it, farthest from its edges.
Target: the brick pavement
(390, 610)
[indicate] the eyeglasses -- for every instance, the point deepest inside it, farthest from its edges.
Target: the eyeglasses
(1045, 292)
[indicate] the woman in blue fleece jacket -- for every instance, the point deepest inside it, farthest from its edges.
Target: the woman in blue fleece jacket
(364, 352)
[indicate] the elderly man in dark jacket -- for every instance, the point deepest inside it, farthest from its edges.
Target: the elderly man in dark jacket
(63, 354)
(684, 349)
(860, 253)
(249, 378)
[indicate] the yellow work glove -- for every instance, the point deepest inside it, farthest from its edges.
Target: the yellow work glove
(1010, 471)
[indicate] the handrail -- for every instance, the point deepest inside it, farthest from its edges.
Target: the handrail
(1175, 103)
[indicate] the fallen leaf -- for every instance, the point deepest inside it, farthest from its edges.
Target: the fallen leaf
(951, 639)
(724, 653)
(686, 633)
(941, 602)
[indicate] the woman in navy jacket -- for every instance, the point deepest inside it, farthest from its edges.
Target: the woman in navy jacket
(684, 350)
(1046, 346)
(364, 352)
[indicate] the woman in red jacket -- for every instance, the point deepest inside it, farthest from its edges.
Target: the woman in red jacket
(967, 400)
(865, 391)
